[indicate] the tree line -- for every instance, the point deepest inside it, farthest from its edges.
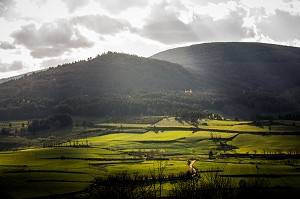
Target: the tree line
(143, 102)
(53, 122)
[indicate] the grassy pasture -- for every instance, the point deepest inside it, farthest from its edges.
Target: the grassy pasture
(222, 122)
(250, 142)
(35, 172)
(172, 122)
(246, 128)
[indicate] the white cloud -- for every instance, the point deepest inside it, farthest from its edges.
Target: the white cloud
(216, 10)
(51, 39)
(8, 9)
(75, 4)
(118, 6)
(39, 3)
(165, 26)
(6, 45)
(14, 66)
(270, 6)
(43, 11)
(135, 16)
(280, 26)
(102, 24)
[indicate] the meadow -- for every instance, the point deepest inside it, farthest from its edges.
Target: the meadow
(238, 150)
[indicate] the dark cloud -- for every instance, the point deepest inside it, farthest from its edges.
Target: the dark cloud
(7, 9)
(75, 4)
(15, 66)
(51, 38)
(282, 26)
(164, 26)
(117, 6)
(6, 45)
(102, 24)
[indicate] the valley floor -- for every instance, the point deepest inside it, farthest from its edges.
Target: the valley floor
(235, 149)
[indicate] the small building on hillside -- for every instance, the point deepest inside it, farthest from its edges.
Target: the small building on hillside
(188, 91)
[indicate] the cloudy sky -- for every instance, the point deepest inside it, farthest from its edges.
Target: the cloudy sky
(36, 34)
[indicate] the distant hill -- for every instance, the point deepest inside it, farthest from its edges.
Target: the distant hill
(110, 84)
(7, 79)
(253, 74)
(222, 66)
(109, 73)
(11, 78)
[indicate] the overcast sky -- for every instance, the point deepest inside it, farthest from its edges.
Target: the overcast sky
(36, 34)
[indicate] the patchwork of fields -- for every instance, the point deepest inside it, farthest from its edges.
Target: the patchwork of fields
(72, 165)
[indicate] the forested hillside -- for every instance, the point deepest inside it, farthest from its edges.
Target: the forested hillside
(256, 73)
(109, 73)
(240, 65)
(110, 84)
(242, 80)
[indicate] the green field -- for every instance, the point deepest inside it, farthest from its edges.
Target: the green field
(250, 142)
(72, 166)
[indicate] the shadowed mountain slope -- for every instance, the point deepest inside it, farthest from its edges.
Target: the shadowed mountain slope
(236, 66)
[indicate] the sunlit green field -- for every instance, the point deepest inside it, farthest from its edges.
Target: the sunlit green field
(37, 172)
(249, 142)
(172, 122)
